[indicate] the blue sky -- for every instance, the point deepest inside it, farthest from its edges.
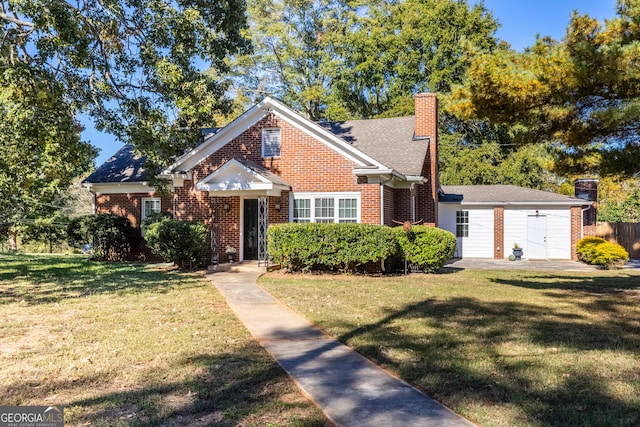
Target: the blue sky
(520, 21)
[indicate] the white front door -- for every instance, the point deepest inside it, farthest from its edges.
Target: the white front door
(536, 247)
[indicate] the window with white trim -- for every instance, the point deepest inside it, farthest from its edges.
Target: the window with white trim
(326, 207)
(271, 139)
(302, 210)
(462, 223)
(150, 205)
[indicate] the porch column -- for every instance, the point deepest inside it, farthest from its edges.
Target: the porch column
(263, 224)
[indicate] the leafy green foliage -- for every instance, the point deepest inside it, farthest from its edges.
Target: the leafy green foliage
(181, 242)
(133, 65)
(51, 230)
(627, 210)
(40, 147)
(111, 236)
(341, 60)
(581, 94)
(348, 247)
(597, 251)
(344, 247)
(426, 248)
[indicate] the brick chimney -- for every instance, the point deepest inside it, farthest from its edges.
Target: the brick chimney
(426, 131)
(587, 189)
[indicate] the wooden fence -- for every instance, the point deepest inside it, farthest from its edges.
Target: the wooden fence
(626, 234)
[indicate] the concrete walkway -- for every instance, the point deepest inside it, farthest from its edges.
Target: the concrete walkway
(351, 390)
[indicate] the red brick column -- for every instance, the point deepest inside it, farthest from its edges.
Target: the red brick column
(498, 232)
(576, 229)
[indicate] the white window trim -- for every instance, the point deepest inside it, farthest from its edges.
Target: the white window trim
(264, 132)
(462, 223)
(143, 211)
(335, 195)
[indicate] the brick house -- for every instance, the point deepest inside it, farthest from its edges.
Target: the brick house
(271, 165)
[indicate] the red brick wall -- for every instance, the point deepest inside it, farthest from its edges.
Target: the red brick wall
(129, 205)
(389, 206)
(576, 229)
(498, 232)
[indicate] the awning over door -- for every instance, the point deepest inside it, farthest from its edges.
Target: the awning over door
(243, 177)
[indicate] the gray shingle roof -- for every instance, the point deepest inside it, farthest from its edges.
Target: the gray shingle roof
(124, 166)
(389, 141)
(502, 194)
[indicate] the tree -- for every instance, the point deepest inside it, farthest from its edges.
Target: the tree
(40, 147)
(627, 210)
(133, 65)
(289, 59)
(399, 48)
(52, 230)
(582, 94)
(338, 59)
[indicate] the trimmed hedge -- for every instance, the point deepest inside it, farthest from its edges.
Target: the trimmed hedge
(353, 247)
(181, 242)
(111, 236)
(597, 251)
(316, 246)
(426, 248)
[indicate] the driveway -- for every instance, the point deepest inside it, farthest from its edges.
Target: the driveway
(542, 265)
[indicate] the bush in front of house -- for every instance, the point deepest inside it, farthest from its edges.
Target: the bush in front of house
(181, 242)
(426, 248)
(341, 247)
(598, 251)
(110, 237)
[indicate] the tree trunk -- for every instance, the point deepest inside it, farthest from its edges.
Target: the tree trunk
(13, 240)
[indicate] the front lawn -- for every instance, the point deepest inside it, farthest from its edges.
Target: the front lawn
(502, 348)
(131, 345)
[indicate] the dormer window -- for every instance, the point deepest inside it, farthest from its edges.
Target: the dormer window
(271, 142)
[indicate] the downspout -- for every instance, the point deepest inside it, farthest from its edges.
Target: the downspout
(413, 201)
(381, 203)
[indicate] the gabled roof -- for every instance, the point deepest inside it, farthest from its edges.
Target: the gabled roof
(125, 166)
(241, 175)
(497, 195)
(374, 145)
(254, 115)
(390, 141)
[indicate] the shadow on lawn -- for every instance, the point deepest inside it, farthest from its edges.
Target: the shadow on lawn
(475, 354)
(36, 280)
(229, 388)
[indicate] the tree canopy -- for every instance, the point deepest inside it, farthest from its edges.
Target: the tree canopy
(135, 66)
(581, 94)
(338, 59)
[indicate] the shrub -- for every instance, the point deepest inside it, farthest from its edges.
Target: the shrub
(111, 236)
(181, 242)
(345, 247)
(426, 248)
(588, 241)
(597, 251)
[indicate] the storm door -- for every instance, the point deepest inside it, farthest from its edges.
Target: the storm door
(250, 229)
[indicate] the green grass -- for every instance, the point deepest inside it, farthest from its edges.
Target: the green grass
(131, 345)
(502, 348)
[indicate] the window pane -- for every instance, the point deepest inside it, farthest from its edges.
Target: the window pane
(462, 224)
(302, 210)
(271, 143)
(324, 211)
(150, 207)
(347, 210)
